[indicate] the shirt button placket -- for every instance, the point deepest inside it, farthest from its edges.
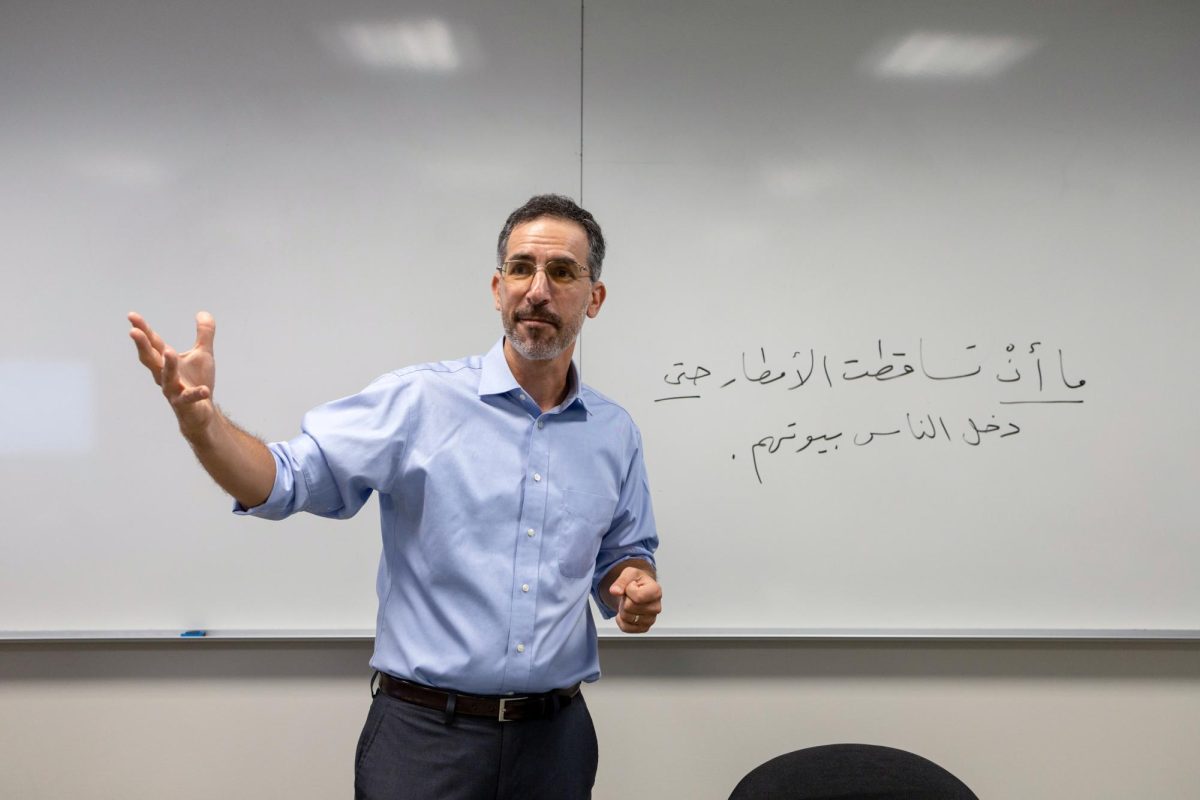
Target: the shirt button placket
(529, 556)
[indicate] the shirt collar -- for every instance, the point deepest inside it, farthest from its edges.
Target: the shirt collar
(496, 378)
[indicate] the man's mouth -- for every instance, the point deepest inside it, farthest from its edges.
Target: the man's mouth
(538, 320)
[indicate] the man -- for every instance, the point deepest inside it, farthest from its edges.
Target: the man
(508, 492)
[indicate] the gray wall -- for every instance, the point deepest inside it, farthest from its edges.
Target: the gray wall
(676, 720)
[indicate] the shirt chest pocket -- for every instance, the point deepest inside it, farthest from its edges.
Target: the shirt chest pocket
(585, 519)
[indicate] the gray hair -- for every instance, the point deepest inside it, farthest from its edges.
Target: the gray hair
(562, 207)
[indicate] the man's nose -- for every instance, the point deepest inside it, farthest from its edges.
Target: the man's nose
(539, 288)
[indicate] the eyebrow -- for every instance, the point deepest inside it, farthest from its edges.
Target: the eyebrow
(551, 260)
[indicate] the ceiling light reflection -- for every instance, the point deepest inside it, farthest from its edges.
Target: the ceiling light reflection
(122, 169)
(802, 180)
(421, 45)
(926, 54)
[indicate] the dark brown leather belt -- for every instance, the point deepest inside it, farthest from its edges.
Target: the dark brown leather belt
(501, 709)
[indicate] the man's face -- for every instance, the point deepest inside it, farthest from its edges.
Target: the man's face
(541, 318)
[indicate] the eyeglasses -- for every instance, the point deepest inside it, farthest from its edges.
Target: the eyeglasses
(561, 272)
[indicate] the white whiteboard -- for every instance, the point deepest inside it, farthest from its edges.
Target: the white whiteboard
(821, 191)
(328, 180)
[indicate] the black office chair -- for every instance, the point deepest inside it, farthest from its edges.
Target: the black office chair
(850, 772)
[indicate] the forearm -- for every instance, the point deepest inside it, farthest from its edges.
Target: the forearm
(240, 463)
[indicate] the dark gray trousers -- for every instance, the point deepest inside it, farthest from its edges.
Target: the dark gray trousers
(408, 752)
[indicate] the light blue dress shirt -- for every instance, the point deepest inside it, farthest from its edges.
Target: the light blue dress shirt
(498, 519)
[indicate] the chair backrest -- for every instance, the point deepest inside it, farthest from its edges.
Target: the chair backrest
(850, 771)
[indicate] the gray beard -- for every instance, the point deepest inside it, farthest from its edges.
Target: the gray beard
(539, 350)
(542, 349)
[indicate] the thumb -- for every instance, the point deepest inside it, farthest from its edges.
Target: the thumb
(622, 583)
(206, 329)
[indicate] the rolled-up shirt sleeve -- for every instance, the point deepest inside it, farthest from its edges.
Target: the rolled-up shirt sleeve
(346, 449)
(633, 533)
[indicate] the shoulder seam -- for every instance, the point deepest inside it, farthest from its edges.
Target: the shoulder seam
(443, 367)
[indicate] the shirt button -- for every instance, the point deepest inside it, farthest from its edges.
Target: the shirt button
(520, 647)
(541, 423)
(529, 532)
(537, 476)
(524, 587)
(522, 396)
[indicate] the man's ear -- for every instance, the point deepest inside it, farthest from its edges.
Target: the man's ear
(599, 292)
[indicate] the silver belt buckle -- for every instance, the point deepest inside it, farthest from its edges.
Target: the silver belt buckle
(504, 701)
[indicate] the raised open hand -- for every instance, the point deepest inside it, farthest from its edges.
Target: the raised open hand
(186, 378)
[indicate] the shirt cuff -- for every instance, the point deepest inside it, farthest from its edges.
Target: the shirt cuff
(277, 503)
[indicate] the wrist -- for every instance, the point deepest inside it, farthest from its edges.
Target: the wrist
(200, 433)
